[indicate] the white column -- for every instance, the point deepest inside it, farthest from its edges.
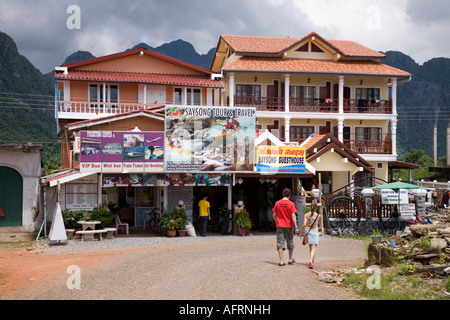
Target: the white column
(287, 130)
(185, 96)
(104, 95)
(394, 95)
(341, 95)
(145, 93)
(286, 93)
(341, 129)
(394, 136)
(231, 89)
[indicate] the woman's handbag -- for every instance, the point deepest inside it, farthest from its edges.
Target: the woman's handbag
(305, 237)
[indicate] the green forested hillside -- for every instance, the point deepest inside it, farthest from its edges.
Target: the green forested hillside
(26, 102)
(422, 103)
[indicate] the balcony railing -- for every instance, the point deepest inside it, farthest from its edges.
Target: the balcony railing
(370, 146)
(99, 108)
(360, 146)
(260, 103)
(367, 106)
(315, 105)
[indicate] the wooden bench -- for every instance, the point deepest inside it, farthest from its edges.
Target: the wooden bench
(89, 234)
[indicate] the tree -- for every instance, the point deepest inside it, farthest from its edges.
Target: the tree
(419, 157)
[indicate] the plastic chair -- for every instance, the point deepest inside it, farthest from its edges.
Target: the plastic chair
(147, 214)
(119, 223)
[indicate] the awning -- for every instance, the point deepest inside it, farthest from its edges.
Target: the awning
(402, 165)
(65, 177)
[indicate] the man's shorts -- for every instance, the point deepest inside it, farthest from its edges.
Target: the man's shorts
(285, 234)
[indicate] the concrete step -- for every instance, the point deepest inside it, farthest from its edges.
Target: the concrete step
(15, 234)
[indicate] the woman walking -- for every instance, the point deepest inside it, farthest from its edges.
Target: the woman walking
(311, 221)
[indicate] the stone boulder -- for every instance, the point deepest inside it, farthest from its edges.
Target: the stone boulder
(420, 230)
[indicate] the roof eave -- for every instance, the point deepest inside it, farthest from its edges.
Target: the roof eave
(398, 76)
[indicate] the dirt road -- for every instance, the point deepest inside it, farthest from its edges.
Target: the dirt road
(239, 269)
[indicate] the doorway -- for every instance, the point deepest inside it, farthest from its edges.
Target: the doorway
(11, 197)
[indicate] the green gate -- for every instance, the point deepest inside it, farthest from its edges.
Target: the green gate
(11, 188)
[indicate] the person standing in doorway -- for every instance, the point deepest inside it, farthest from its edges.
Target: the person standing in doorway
(284, 215)
(205, 214)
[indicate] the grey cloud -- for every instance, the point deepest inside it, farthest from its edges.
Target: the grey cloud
(428, 12)
(108, 26)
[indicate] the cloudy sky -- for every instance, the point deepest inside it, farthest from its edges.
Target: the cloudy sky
(47, 31)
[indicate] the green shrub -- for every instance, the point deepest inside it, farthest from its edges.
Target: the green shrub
(103, 215)
(242, 219)
(71, 218)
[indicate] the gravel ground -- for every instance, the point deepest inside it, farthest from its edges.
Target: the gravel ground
(195, 268)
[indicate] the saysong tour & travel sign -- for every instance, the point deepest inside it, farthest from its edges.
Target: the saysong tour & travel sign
(209, 139)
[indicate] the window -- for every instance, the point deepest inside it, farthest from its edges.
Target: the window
(177, 96)
(193, 96)
(248, 91)
(368, 133)
(305, 92)
(367, 93)
(300, 133)
(315, 48)
(97, 93)
(302, 95)
(303, 48)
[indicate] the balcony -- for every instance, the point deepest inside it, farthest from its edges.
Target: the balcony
(370, 146)
(313, 105)
(90, 110)
(316, 105)
(260, 103)
(367, 106)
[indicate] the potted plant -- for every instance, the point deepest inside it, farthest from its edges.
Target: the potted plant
(243, 222)
(168, 223)
(376, 236)
(181, 222)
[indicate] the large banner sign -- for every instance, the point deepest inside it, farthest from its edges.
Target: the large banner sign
(209, 139)
(109, 151)
(272, 159)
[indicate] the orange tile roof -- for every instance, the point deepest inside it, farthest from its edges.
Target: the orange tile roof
(353, 49)
(343, 67)
(138, 51)
(278, 45)
(167, 79)
(249, 44)
(308, 143)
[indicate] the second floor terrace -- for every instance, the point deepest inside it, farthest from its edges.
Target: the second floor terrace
(318, 105)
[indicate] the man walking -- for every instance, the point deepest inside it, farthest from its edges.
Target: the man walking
(284, 215)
